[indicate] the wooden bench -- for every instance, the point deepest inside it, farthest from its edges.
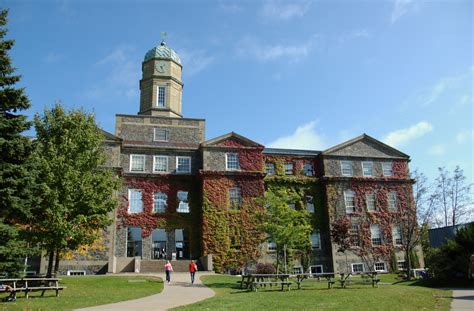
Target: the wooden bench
(315, 277)
(28, 285)
(259, 280)
(363, 278)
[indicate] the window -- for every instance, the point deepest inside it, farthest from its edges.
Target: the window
(387, 168)
(380, 266)
(316, 240)
(160, 102)
(159, 202)
(271, 246)
(354, 232)
(134, 241)
(160, 164)
(135, 201)
(270, 168)
(349, 200)
(317, 269)
(392, 201)
(357, 267)
(308, 169)
(292, 206)
(159, 241)
(183, 206)
(371, 202)
(375, 234)
(235, 198)
(180, 238)
(183, 164)
(346, 168)
(288, 168)
(161, 134)
(137, 163)
(367, 169)
(401, 265)
(297, 270)
(309, 204)
(397, 235)
(232, 161)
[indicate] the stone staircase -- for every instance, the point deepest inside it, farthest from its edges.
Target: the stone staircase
(156, 266)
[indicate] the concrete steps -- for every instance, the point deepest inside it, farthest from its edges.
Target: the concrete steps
(154, 266)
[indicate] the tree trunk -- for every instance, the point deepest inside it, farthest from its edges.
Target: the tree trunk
(50, 264)
(284, 253)
(408, 261)
(56, 264)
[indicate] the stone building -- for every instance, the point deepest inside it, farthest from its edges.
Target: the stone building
(185, 197)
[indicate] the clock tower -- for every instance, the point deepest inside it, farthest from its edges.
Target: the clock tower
(161, 86)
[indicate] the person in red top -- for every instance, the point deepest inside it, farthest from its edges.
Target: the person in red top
(192, 270)
(168, 269)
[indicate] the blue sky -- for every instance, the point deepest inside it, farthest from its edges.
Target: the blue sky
(301, 74)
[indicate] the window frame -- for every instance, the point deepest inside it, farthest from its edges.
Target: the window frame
(307, 172)
(129, 201)
(270, 248)
(235, 202)
(374, 209)
(165, 131)
(397, 238)
(371, 163)
(236, 162)
(384, 170)
(287, 172)
(404, 265)
(155, 201)
(316, 266)
(347, 162)
(155, 157)
(345, 201)
(188, 208)
(354, 233)
(317, 234)
(177, 165)
(384, 266)
(376, 241)
(389, 196)
(158, 97)
(267, 164)
(357, 263)
(132, 156)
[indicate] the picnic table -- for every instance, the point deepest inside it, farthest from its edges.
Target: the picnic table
(362, 278)
(253, 281)
(28, 285)
(315, 277)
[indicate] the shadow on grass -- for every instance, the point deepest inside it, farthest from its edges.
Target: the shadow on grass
(437, 283)
(223, 285)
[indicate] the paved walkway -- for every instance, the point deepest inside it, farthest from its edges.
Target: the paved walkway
(463, 299)
(178, 293)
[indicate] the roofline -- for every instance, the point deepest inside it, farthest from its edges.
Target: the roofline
(160, 117)
(293, 151)
(359, 138)
(228, 135)
(110, 136)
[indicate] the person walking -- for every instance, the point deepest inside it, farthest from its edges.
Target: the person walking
(192, 270)
(168, 270)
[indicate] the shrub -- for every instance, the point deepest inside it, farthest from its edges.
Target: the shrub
(265, 268)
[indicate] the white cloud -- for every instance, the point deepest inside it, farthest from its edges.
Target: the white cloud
(304, 137)
(400, 8)
(194, 61)
(401, 137)
(437, 150)
(284, 11)
(465, 136)
(229, 7)
(252, 47)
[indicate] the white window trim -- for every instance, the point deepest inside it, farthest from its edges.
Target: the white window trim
(144, 163)
(292, 168)
(164, 129)
(372, 171)
(154, 162)
(394, 239)
(384, 266)
(342, 171)
(322, 268)
(129, 196)
(357, 263)
(395, 208)
(391, 169)
(273, 168)
(271, 250)
(165, 203)
(158, 96)
(318, 234)
(379, 234)
(190, 167)
(345, 201)
(398, 264)
(227, 161)
(367, 202)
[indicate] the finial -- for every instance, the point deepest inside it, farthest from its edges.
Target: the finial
(163, 36)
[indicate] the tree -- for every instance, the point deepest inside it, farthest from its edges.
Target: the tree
(288, 228)
(78, 192)
(15, 150)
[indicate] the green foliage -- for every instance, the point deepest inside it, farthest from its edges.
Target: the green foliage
(289, 228)
(452, 259)
(15, 169)
(77, 192)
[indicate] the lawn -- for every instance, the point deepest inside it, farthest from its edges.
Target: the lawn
(316, 296)
(86, 291)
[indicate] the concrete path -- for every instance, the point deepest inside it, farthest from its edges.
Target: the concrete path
(178, 293)
(463, 299)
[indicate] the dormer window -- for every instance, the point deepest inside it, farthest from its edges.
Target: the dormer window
(346, 168)
(161, 134)
(232, 161)
(160, 98)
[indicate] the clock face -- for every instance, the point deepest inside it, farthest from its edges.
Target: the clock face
(160, 67)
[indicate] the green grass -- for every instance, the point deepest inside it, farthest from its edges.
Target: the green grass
(86, 291)
(316, 296)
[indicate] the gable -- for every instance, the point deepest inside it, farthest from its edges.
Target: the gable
(230, 140)
(365, 146)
